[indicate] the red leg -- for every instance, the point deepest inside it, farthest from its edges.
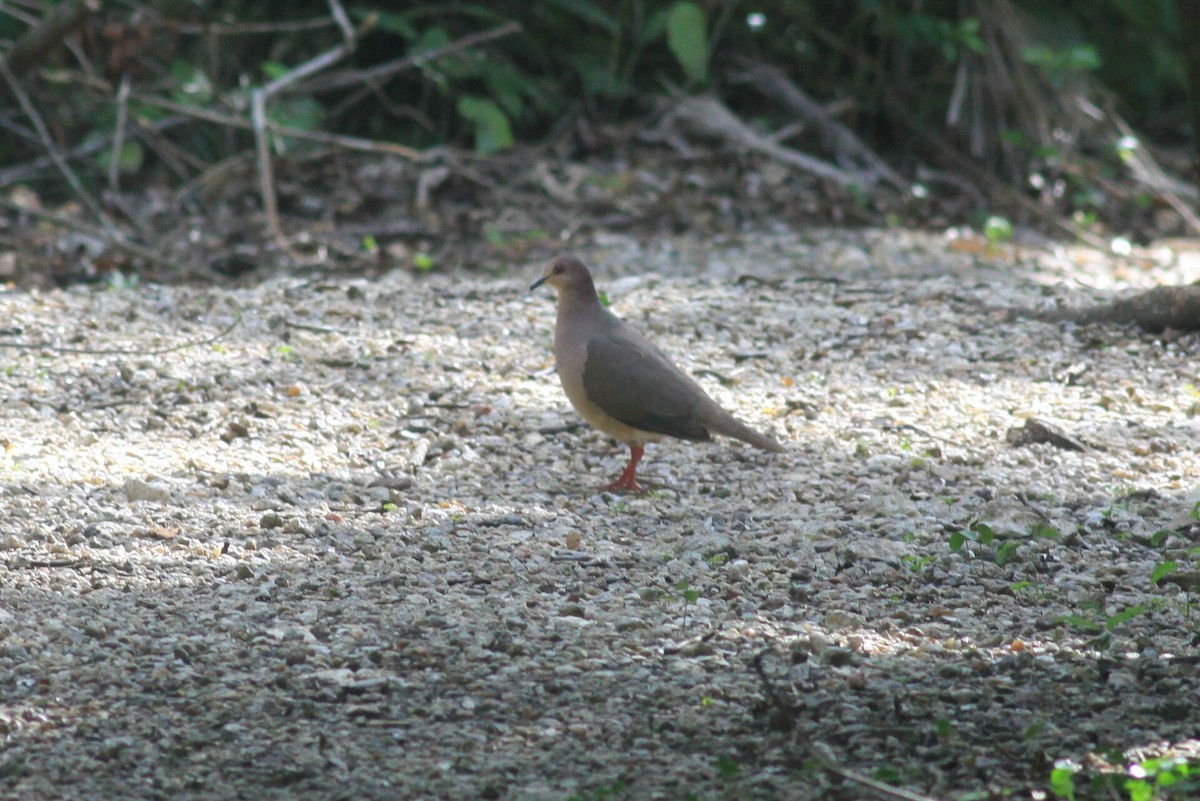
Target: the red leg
(627, 481)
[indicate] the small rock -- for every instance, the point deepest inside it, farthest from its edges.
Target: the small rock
(138, 490)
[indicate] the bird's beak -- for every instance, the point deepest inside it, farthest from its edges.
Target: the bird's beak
(537, 283)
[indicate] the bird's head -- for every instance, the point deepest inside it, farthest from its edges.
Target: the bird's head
(566, 274)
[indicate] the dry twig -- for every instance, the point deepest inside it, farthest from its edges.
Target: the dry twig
(287, 131)
(824, 755)
(14, 85)
(389, 69)
(48, 34)
(191, 343)
(121, 244)
(772, 81)
(258, 110)
(710, 117)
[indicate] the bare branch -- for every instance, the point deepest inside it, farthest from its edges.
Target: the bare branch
(389, 69)
(118, 143)
(338, 140)
(39, 125)
(710, 117)
(773, 82)
(48, 34)
(120, 243)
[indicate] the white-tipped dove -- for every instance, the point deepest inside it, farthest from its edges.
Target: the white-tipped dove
(621, 383)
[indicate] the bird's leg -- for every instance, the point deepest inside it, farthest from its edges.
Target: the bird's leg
(627, 481)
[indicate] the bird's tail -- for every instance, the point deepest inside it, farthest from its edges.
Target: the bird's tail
(730, 426)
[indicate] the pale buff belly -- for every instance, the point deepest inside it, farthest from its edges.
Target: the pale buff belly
(573, 387)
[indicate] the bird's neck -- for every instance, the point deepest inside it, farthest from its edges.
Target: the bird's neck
(580, 298)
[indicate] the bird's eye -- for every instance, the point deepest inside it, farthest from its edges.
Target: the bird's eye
(558, 268)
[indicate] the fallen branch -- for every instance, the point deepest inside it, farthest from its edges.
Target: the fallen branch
(1175, 308)
(39, 125)
(710, 117)
(1163, 308)
(901, 106)
(1146, 171)
(119, 243)
(839, 139)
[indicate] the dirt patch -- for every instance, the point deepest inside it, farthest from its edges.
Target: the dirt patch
(349, 547)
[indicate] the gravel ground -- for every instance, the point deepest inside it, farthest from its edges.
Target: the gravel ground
(351, 548)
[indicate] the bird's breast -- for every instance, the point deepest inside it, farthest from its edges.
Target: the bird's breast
(570, 358)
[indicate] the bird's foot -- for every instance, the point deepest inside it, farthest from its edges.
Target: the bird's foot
(624, 483)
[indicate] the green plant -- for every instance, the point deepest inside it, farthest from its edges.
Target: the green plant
(944, 728)
(1062, 779)
(422, 261)
(687, 37)
(997, 230)
(727, 767)
(1093, 619)
(917, 564)
(689, 596)
(604, 792)
(1150, 780)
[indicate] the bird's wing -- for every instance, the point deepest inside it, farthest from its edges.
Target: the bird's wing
(635, 383)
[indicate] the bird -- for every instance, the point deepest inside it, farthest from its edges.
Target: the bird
(620, 383)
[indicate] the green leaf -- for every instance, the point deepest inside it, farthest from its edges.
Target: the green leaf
(1062, 780)
(504, 84)
(1125, 616)
(588, 12)
(957, 540)
(189, 85)
(728, 767)
(1081, 622)
(273, 69)
(687, 37)
(1162, 570)
(298, 112)
(387, 22)
(129, 160)
(492, 131)
(985, 532)
(1139, 790)
(1005, 553)
(1159, 538)
(654, 27)
(430, 39)
(997, 229)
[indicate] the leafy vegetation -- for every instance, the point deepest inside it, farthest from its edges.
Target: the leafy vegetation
(1149, 780)
(487, 76)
